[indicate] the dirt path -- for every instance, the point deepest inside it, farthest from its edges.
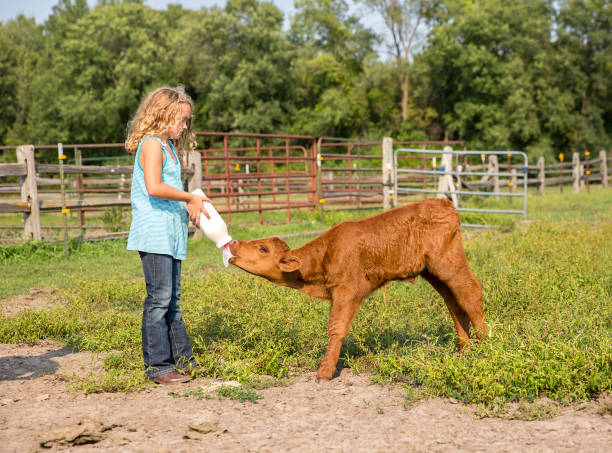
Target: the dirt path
(347, 415)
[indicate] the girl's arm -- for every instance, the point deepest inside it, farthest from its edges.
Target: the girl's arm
(151, 156)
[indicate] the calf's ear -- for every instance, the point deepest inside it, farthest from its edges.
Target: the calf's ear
(289, 263)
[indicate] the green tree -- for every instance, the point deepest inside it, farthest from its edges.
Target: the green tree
(583, 72)
(235, 62)
(327, 26)
(104, 63)
(333, 51)
(65, 13)
(404, 20)
(328, 103)
(479, 75)
(8, 82)
(530, 75)
(21, 47)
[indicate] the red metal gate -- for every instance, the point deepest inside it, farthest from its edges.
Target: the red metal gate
(258, 172)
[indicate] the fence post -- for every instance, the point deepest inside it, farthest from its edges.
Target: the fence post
(586, 176)
(561, 157)
(513, 180)
(29, 193)
(194, 161)
(576, 171)
(61, 157)
(330, 177)
(78, 159)
(541, 175)
(494, 170)
(445, 182)
(603, 168)
(320, 199)
(387, 173)
(121, 186)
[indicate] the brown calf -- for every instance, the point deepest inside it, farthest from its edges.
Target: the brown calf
(352, 259)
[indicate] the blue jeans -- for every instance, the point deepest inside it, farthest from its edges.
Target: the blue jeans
(165, 345)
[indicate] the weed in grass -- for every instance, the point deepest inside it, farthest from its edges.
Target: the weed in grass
(497, 408)
(198, 393)
(606, 409)
(535, 410)
(413, 394)
(264, 382)
(238, 393)
(112, 218)
(524, 410)
(111, 381)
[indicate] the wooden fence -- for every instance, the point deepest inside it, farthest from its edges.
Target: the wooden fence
(33, 177)
(579, 173)
(38, 179)
(239, 172)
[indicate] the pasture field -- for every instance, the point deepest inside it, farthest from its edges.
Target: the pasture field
(547, 294)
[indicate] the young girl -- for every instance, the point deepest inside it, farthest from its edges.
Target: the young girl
(161, 126)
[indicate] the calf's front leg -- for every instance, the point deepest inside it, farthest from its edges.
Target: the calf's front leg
(345, 303)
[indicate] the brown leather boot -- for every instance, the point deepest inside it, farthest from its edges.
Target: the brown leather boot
(171, 378)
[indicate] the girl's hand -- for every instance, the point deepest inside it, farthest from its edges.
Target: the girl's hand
(195, 207)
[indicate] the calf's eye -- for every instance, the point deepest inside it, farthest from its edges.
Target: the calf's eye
(263, 249)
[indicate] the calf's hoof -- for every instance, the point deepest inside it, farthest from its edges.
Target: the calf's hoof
(324, 375)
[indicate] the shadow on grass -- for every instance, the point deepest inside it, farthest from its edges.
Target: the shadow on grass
(215, 329)
(379, 340)
(21, 368)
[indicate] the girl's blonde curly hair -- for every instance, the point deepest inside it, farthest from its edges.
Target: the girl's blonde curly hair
(155, 114)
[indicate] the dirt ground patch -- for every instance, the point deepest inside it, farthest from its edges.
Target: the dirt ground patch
(39, 298)
(38, 409)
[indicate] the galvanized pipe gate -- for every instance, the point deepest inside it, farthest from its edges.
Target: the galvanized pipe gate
(455, 177)
(355, 174)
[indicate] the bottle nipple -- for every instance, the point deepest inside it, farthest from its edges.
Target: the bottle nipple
(227, 254)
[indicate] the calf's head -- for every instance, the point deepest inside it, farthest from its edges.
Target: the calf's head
(269, 257)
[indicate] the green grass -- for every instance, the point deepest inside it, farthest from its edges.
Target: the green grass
(198, 393)
(547, 291)
(30, 264)
(238, 393)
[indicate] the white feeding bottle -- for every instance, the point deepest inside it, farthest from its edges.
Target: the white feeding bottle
(215, 228)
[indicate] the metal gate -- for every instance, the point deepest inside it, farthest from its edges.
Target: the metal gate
(350, 172)
(258, 172)
(456, 176)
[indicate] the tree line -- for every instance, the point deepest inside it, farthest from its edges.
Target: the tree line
(532, 75)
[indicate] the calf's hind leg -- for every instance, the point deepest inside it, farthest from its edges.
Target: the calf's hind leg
(468, 294)
(452, 277)
(460, 318)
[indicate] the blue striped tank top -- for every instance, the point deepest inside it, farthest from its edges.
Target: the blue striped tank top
(158, 225)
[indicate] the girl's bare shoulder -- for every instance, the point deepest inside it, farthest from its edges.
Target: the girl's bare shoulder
(151, 146)
(151, 151)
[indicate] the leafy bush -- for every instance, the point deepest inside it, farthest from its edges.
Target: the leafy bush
(112, 218)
